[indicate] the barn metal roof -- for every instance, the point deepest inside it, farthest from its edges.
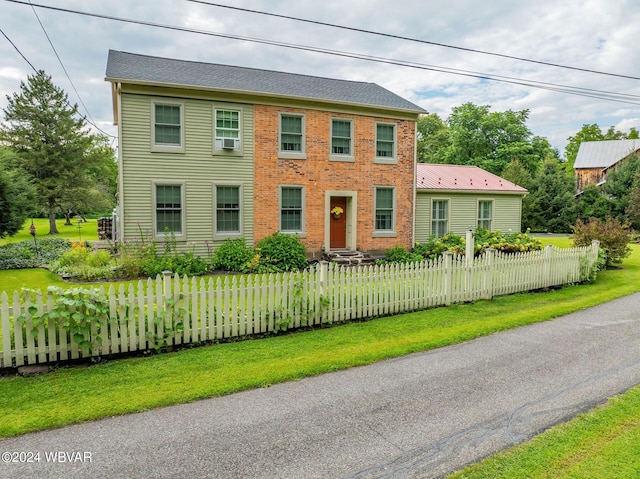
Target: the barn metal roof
(603, 154)
(144, 69)
(462, 178)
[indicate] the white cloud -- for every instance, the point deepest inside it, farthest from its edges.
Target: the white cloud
(589, 34)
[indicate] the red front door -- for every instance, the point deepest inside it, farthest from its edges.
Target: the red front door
(338, 223)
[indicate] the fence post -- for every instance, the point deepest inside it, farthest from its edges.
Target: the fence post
(547, 266)
(448, 277)
(469, 248)
(488, 273)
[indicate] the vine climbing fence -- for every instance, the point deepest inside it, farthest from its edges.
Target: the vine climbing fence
(62, 325)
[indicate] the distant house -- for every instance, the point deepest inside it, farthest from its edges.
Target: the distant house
(454, 198)
(596, 158)
(209, 152)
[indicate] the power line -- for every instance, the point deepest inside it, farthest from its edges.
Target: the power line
(590, 93)
(62, 65)
(73, 107)
(416, 40)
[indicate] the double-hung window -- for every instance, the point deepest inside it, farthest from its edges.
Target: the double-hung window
(439, 217)
(291, 209)
(384, 210)
(341, 138)
(168, 209)
(385, 143)
(485, 214)
(228, 217)
(227, 129)
(168, 131)
(291, 134)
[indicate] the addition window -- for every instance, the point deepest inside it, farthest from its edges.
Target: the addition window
(291, 134)
(342, 138)
(227, 130)
(385, 210)
(291, 209)
(228, 210)
(168, 132)
(440, 217)
(385, 143)
(169, 209)
(485, 214)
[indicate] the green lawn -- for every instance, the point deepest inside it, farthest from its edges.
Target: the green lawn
(88, 231)
(70, 395)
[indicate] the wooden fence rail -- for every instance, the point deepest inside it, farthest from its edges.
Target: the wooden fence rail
(171, 311)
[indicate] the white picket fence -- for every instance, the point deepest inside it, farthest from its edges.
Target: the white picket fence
(171, 311)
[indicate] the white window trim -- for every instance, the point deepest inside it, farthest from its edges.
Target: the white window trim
(228, 234)
(448, 218)
(337, 157)
(161, 147)
(302, 232)
(478, 213)
(238, 151)
(387, 160)
(182, 236)
(385, 233)
(294, 155)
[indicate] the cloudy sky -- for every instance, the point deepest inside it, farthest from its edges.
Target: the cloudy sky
(594, 35)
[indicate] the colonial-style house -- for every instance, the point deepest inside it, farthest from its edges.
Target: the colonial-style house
(209, 152)
(454, 198)
(596, 158)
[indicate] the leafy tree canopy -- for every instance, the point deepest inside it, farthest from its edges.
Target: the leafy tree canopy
(53, 145)
(16, 196)
(474, 135)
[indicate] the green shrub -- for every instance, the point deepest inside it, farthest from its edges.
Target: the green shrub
(282, 252)
(436, 246)
(398, 254)
(232, 255)
(614, 237)
(23, 254)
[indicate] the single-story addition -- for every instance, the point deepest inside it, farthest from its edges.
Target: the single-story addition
(455, 198)
(209, 152)
(596, 158)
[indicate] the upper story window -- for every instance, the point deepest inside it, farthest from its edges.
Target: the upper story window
(291, 133)
(385, 143)
(168, 130)
(227, 130)
(440, 217)
(485, 214)
(342, 139)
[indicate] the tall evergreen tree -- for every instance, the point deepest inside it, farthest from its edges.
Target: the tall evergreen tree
(550, 205)
(16, 197)
(53, 145)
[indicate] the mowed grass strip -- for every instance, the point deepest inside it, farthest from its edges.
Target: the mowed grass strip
(601, 444)
(70, 395)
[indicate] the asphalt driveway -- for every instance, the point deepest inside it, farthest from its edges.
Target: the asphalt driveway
(418, 416)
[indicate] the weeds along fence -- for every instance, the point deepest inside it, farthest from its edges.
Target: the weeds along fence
(58, 326)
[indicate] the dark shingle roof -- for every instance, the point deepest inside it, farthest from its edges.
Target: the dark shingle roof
(134, 68)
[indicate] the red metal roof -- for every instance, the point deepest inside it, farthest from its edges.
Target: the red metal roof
(462, 178)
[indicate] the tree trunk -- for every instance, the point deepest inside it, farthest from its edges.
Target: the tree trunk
(53, 228)
(67, 216)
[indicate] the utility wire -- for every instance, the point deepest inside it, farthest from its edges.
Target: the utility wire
(63, 67)
(597, 94)
(73, 107)
(410, 39)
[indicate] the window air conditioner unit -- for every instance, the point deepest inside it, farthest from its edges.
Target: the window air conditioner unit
(229, 143)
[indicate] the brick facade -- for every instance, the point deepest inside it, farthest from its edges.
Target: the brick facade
(318, 174)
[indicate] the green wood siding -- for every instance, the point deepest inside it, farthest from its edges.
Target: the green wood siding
(463, 212)
(197, 169)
